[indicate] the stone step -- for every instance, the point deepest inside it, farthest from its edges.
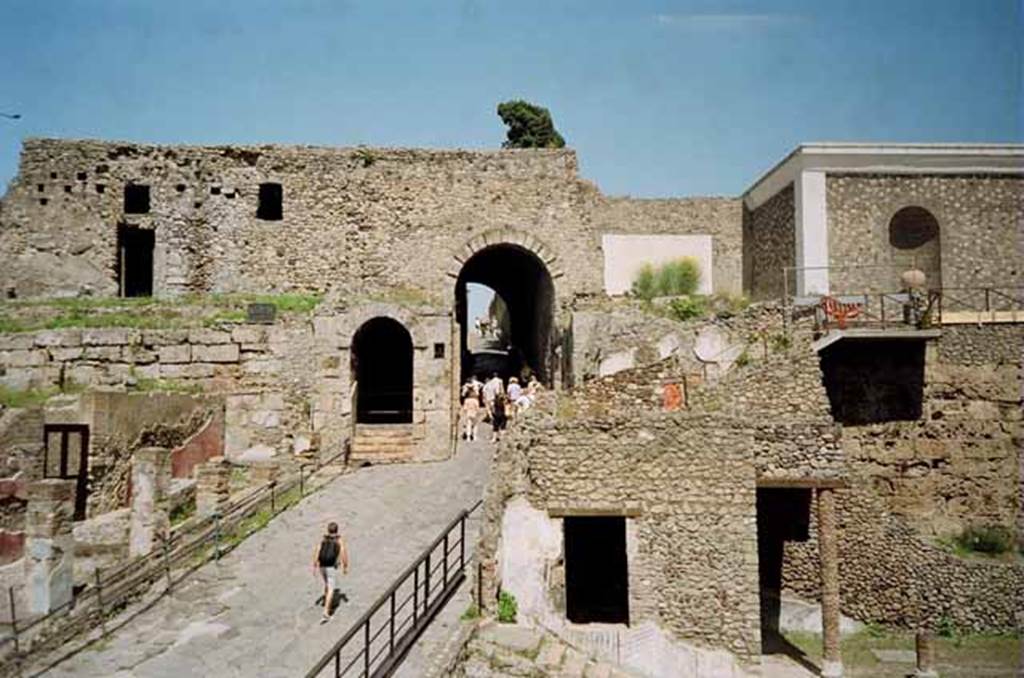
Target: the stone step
(385, 429)
(382, 450)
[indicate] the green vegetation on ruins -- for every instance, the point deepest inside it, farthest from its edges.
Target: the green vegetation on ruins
(673, 278)
(144, 312)
(32, 397)
(984, 541)
(970, 654)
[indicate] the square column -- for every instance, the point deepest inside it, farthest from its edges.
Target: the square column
(151, 480)
(213, 486)
(811, 233)
(828, 554)
(49, 544)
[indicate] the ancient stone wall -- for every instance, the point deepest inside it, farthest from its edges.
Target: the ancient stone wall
(434, 343)
(353, 219)
(769, 243)
(979, 220)
(721, 218)
(890, 574)
(957, 466)
(689, 483)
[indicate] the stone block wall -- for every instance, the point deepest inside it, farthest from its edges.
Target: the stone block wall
(21, 442)
(959, 465)
(353, 219)
(769, 244)
(979, 228)
(433, 386)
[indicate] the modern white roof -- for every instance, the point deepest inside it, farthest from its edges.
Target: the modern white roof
(887, 159)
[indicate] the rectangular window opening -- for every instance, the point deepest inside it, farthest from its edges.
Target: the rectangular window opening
(135, 261)
(136, 199)
(66, 456)
(439, 350)
(271, 202)
(596, 570)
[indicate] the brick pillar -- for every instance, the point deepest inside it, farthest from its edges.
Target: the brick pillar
(925, 656)
(213, 486)
(151, 480)
(828, 553)
(263, 472)
(49, 544)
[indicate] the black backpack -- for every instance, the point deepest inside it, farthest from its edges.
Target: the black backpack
(329, 550)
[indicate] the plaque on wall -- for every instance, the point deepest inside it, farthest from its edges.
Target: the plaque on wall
(263, 314)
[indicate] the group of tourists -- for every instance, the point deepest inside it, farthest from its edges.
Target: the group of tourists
(493, 402)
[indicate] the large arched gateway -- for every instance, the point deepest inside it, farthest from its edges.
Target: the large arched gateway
(382, 370)
(523, 283)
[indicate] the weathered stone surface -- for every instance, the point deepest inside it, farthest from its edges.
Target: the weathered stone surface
(113, 336)
(24, 358)
(223, 353)
(174, 354)
(209, 337)
(521, 639)
(103, 353)
(48, 338)
(151, 480)
(253, 336)
(164, 337)
(187, 371)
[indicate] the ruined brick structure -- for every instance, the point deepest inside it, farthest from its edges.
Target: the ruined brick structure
(791, 458)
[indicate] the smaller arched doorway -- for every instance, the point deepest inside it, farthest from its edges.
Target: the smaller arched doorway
(382, 370)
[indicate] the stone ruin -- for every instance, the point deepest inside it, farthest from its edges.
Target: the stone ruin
(743, 464)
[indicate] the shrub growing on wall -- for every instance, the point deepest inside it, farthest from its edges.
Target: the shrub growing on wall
(672, 279)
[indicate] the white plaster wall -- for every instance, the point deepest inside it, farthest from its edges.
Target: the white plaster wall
(811, 234)
(624, 255)
(530, 540)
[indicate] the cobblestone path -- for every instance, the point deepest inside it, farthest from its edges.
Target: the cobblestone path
(252, 614)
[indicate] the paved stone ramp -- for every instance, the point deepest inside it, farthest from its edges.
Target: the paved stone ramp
(252, 614)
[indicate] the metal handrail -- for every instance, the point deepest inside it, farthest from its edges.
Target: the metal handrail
(116, 586)
(937, 302)
(399, 642)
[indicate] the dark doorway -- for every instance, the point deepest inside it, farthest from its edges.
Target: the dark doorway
(136, 199)
(135, 261)
(523, 284)
(783, 514)
(596, 572)
(382, 368)
(271, 203)
(874, 381)
(66, 456)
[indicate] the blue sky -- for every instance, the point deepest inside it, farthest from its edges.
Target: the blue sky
(657, 98)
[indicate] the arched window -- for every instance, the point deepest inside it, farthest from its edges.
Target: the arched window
(912, 227)
(914, 243)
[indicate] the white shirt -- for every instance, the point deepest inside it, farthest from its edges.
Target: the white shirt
(492, 388)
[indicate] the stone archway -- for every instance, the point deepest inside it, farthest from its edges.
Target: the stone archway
(524, 281)
(382, 369)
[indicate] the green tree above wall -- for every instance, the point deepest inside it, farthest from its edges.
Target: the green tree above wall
(529, 126)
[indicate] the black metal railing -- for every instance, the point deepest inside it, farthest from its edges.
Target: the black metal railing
(184, 550)
(375, 645)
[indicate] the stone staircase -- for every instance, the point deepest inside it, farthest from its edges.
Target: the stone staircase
(383, 443)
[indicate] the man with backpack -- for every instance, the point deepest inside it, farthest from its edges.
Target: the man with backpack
(329, 553)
